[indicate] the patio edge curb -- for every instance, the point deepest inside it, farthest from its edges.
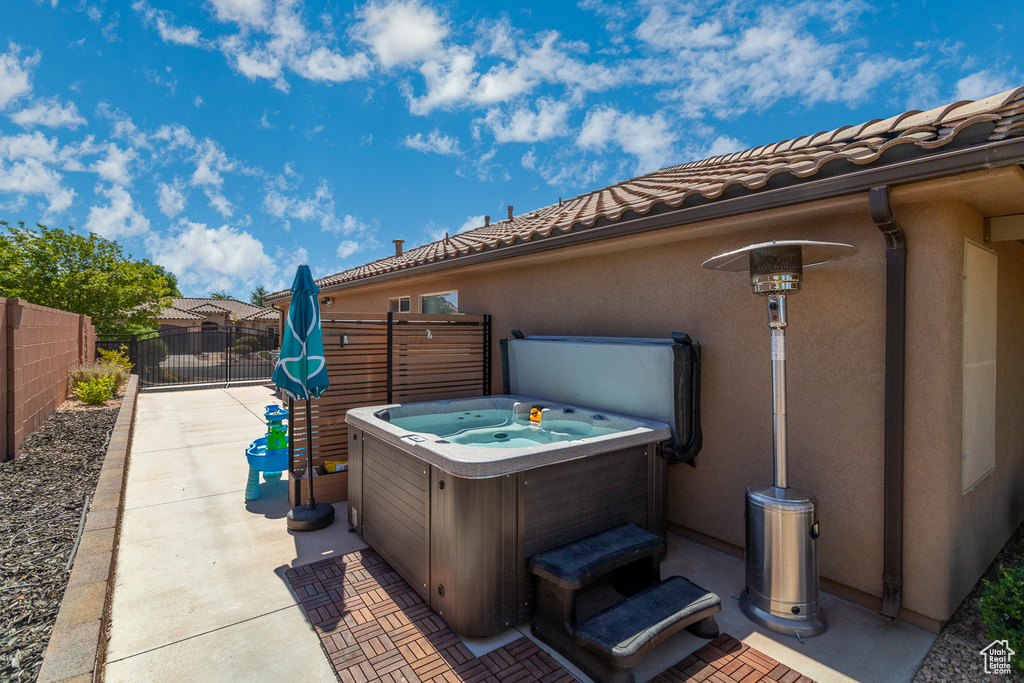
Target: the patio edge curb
(77, 648)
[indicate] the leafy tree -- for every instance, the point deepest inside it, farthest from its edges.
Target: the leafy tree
(256, 296)
(172, 280)
(220, 295)
(82, 274)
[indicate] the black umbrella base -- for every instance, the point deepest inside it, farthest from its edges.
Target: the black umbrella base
(311, 517)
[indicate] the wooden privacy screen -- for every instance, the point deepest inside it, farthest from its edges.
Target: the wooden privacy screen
(373, 359)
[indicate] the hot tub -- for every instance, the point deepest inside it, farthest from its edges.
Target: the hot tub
(458, 495)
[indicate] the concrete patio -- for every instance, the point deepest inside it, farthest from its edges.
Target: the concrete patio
(201, 593)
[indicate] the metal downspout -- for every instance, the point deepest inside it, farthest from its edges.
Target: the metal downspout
(895, 357)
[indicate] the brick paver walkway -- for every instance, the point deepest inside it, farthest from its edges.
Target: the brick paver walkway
(375, 627)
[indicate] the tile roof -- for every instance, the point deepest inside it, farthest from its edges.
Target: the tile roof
(172, 313)
(189, 308)
(913, 133)
(263, 314)
(209, 308)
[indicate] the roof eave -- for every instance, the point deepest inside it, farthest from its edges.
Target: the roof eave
(981, 157)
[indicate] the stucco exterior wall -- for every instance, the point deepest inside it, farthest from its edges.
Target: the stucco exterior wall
(971, 526)
(654, 285)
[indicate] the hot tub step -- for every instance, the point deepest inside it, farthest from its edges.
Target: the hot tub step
(621, 635)
(577, 564)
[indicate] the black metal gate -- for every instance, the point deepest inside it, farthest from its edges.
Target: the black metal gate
(198, 355)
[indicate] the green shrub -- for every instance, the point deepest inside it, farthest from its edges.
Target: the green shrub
(246, 344)
(118, 358)
(95, 391)
(1002, 609)
(87, 373)
(84, 373)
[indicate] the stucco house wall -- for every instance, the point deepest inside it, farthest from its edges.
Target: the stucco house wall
(653, 284)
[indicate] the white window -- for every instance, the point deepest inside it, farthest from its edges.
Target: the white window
(981, 269)
(399, 304)
(443, 302)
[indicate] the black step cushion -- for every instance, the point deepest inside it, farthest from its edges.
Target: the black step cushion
(575, 564)
(628, 630)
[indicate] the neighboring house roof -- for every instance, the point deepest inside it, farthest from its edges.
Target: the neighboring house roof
(263, 314)
(840, 152)
(189, 308)
(172, 313)
(210, 308)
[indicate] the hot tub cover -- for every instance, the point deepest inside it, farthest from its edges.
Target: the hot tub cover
(654, 379)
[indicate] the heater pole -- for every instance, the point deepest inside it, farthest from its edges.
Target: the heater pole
(777, 323)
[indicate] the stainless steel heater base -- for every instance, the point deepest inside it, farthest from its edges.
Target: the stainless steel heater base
(782, 561)
(788, 626)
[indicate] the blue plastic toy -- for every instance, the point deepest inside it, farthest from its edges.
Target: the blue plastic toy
(267, 454)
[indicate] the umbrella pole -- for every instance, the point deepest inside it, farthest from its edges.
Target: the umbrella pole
(310, 501)
(291, 442)
(312, 515)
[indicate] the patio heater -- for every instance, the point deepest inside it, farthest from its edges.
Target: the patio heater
(781, 521)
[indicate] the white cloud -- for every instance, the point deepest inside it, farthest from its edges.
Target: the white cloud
(566, 169)
(497, 38)
(524, 125)
(648, 138)
(31, 177)
(436, 142)
(14, 74)
(50, 113)
(664, 29)
(218, 202)
(346, 248)
(980, 85)
(216, 258)
(171, 198)
(471, 223)
(722, 145)
(175, 136)
(164, 22)
(255, 63)
(120, 218)
(325, 65)
(122, 126)
(116, 165)
(181, 35)
(501, 83)
(449, 78)
(400, 32)
(199, 101)
(728, 59)
(318, 208)
(246, 12)
(211, 161)
(28, 146)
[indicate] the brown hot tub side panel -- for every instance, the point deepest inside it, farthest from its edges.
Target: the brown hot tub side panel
(464, 543)
(395, 513)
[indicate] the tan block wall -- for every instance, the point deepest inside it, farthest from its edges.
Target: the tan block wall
(654, 285)
(40, 347)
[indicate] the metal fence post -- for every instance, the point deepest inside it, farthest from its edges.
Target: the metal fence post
(227, 355)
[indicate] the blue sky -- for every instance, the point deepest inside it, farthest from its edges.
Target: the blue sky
(230, 140)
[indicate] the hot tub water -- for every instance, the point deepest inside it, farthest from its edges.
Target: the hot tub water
(504, 428)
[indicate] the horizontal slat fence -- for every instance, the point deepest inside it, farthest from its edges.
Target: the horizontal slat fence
(373, 359)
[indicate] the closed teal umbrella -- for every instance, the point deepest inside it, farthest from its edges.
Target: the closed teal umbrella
(301, 371)
(301, 374)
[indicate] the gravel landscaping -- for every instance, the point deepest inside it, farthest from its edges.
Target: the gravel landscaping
(955, 654)
(42, 493)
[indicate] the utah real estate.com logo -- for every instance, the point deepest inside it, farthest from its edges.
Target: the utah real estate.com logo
(997, 657)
